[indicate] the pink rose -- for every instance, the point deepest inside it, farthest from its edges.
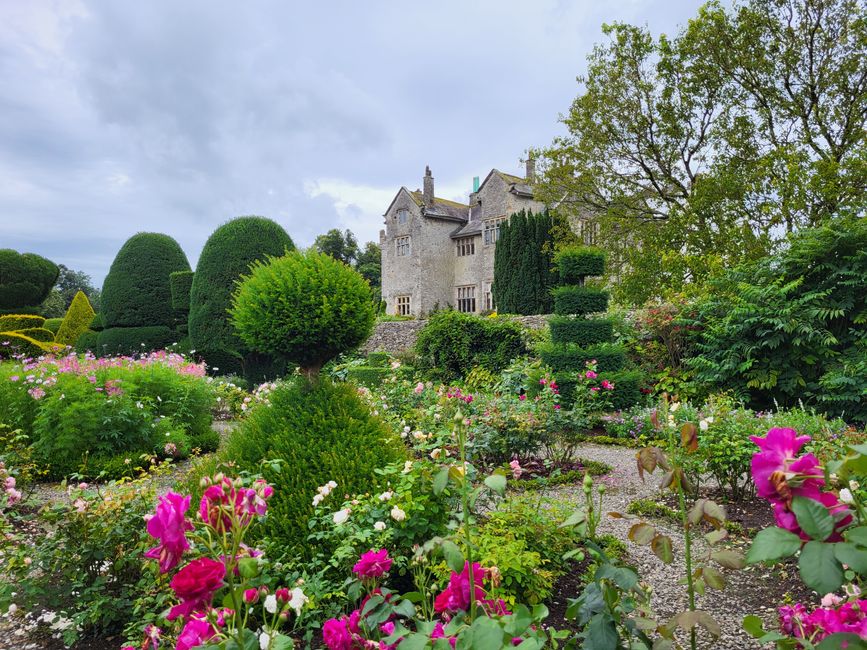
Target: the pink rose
(169, 526)
(336, 634)
(590, 374)
(457, 595)
(195, 633)
(373, 564)
(195, 585)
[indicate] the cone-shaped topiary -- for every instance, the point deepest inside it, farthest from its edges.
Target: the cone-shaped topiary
(227, 255)
(136, 304)
(25, 279)
(77, 320)
(304, 307)
(576, 338)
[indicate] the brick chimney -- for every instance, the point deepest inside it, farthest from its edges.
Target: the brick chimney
(428, 195)
(531, 168)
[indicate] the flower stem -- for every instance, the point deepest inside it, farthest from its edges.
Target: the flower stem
(690, 587)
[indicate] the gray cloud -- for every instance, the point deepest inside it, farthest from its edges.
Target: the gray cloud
(176, 116)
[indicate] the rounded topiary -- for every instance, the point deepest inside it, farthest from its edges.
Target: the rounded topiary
(87, 342)
(137, 291)
(15, 322)
(324, 432)
(304, 307)
(574, 299)
(25, 279)
(575, 263)
(227, 255)
(181, 282)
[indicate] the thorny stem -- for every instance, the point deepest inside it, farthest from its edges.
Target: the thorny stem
(690, 587)
(466, 505)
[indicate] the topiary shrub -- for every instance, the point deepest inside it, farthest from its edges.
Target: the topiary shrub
(227, 255)
(40, 334)
(627, 389)
(583, 331)
(569, 357)
(574, 264)
(304, 307)
(181, 282)
(451, 344)
(15, 322)
(137, 291)
(378, 359)
(369, 376)
(574, 299)
(52, 324)
(324, 432)
(132, 340)
(87, 342)
(14, 343)
(77, 320)
(25, 279)
(97, 324)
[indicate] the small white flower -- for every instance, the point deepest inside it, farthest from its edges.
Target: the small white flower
(341, 516)
(703, 425)
(139, 405)
(710, 419)
(846, 496)
(271, 604)
(407, 467)
(854, 485)
(12, 609)
(674, 406)
(317, 500)
(298, 600)
(379, 526)
(397, 514)
(331, 484)
(436, 453)
(264, 640)
(385, 496)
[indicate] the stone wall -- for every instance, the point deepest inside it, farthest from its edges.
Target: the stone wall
(397, 336)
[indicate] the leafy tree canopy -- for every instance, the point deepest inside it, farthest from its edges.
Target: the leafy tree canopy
(341, 246)
(699, 151)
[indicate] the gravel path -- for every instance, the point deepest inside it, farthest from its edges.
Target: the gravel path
(746, 592)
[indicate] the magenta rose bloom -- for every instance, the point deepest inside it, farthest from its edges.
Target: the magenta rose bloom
(169, 526)
(457, 595)
(336, 634)
(373, 564)
(776, 469)
(195, 633)
(195, 585)
(220, 502)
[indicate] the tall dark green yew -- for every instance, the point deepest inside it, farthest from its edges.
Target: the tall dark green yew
(228, 254)
(577, 338)
(136, 303)
(523, 261)
(25, 280)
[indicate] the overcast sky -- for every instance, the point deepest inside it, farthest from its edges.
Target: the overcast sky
(176, 115)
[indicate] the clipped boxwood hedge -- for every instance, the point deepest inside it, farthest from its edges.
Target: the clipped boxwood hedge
(378, 359)
(572, 358)
(40, 334)
(15, 322)
(12, 343)
(627, 389)
(52, 324)
(181, 283)
(87, 342)
(572, 299)
(133, 340)
(581, 330)
(26, 280)
(369, 376)
(574, 264)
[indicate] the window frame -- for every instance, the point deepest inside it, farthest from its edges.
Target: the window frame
(465, 246)
(403, 243)
(491, 230)
(465, 297)
(402, 215)
(403, 305)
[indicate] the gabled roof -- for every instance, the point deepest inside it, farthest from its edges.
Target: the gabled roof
(442, 208)
(517, 185)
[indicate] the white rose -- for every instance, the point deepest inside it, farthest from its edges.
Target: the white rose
(331, 484)
(436, 453)
(397, 514)
(846, 496)
(407, 467)
(298, 600)
(385, 496)
(341, 516)
(264, 641)
(379, 526)
(703, 425)
(271, 604)
(317, 500)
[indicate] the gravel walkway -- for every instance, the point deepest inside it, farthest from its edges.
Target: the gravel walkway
(746, 590)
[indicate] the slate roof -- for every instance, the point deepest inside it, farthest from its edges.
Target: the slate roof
(443, 208)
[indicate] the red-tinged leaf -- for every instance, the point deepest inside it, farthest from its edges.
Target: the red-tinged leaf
(713, 578)
(729, 559)
(642, 533)
(714, 514)
(661, 547)
(616, 515)
(716, 536)
(689, 437)
(696, 512)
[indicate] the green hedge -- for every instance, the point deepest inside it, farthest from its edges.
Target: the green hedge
(181, 282)
(581, 330)
(572, 299)
(14, 322)
(25, 280)
(137, 292)
(87, 342)
(97, 324)
(40, 334)
(52, 324)
(12, 343)
(574, 264)
(227, 255)
(572, 358)
(134, 340)
(367, 375)
(323, 431)
(378, 359)
(627, 388)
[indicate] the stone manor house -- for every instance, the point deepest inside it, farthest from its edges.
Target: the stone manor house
(438, 253)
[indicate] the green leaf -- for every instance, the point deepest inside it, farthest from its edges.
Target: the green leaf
(819, 569)
(282, 642)
(454, 557)
(405, 608)
(248, 567)
(773, 544)
(713, 578)
(497, 482)
(661, 547)
(415, 642)
(486, 633)
(754, 626)
(602, 633)
(813, 518)
(852, 556)
(576, 518)
(441, 480)
(835, 642)
(642, 533)
(857, 535)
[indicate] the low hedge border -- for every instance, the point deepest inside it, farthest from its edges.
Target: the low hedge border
(572, 299)
(369, 376)
(581, 330)
(572, 358)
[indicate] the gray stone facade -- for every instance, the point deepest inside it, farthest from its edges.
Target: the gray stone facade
(438, 253)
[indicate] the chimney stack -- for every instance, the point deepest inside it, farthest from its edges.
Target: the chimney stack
(428, 195)
(531, 168)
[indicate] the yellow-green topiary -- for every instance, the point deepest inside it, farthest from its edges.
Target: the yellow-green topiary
(40, 334)
(12, 343)
(77, 320)
(15, 322)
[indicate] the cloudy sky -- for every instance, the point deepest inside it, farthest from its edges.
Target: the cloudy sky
(174, 116)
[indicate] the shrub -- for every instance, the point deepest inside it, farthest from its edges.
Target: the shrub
(304, 307)
(25, 279)
(15, 322)
(87, 342)
(323, 432)
(572, 358)
(97, 324)
(38, 334)
(77, 320)
(572, 299)
(136, 292)
(181, 282)
(367, 375)
(627, 388)
(451, 344)
(13, 343)
(573, 264)
(52, 324)
(133, 340)
(227, 255)
(378, 359)
(581, 331)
